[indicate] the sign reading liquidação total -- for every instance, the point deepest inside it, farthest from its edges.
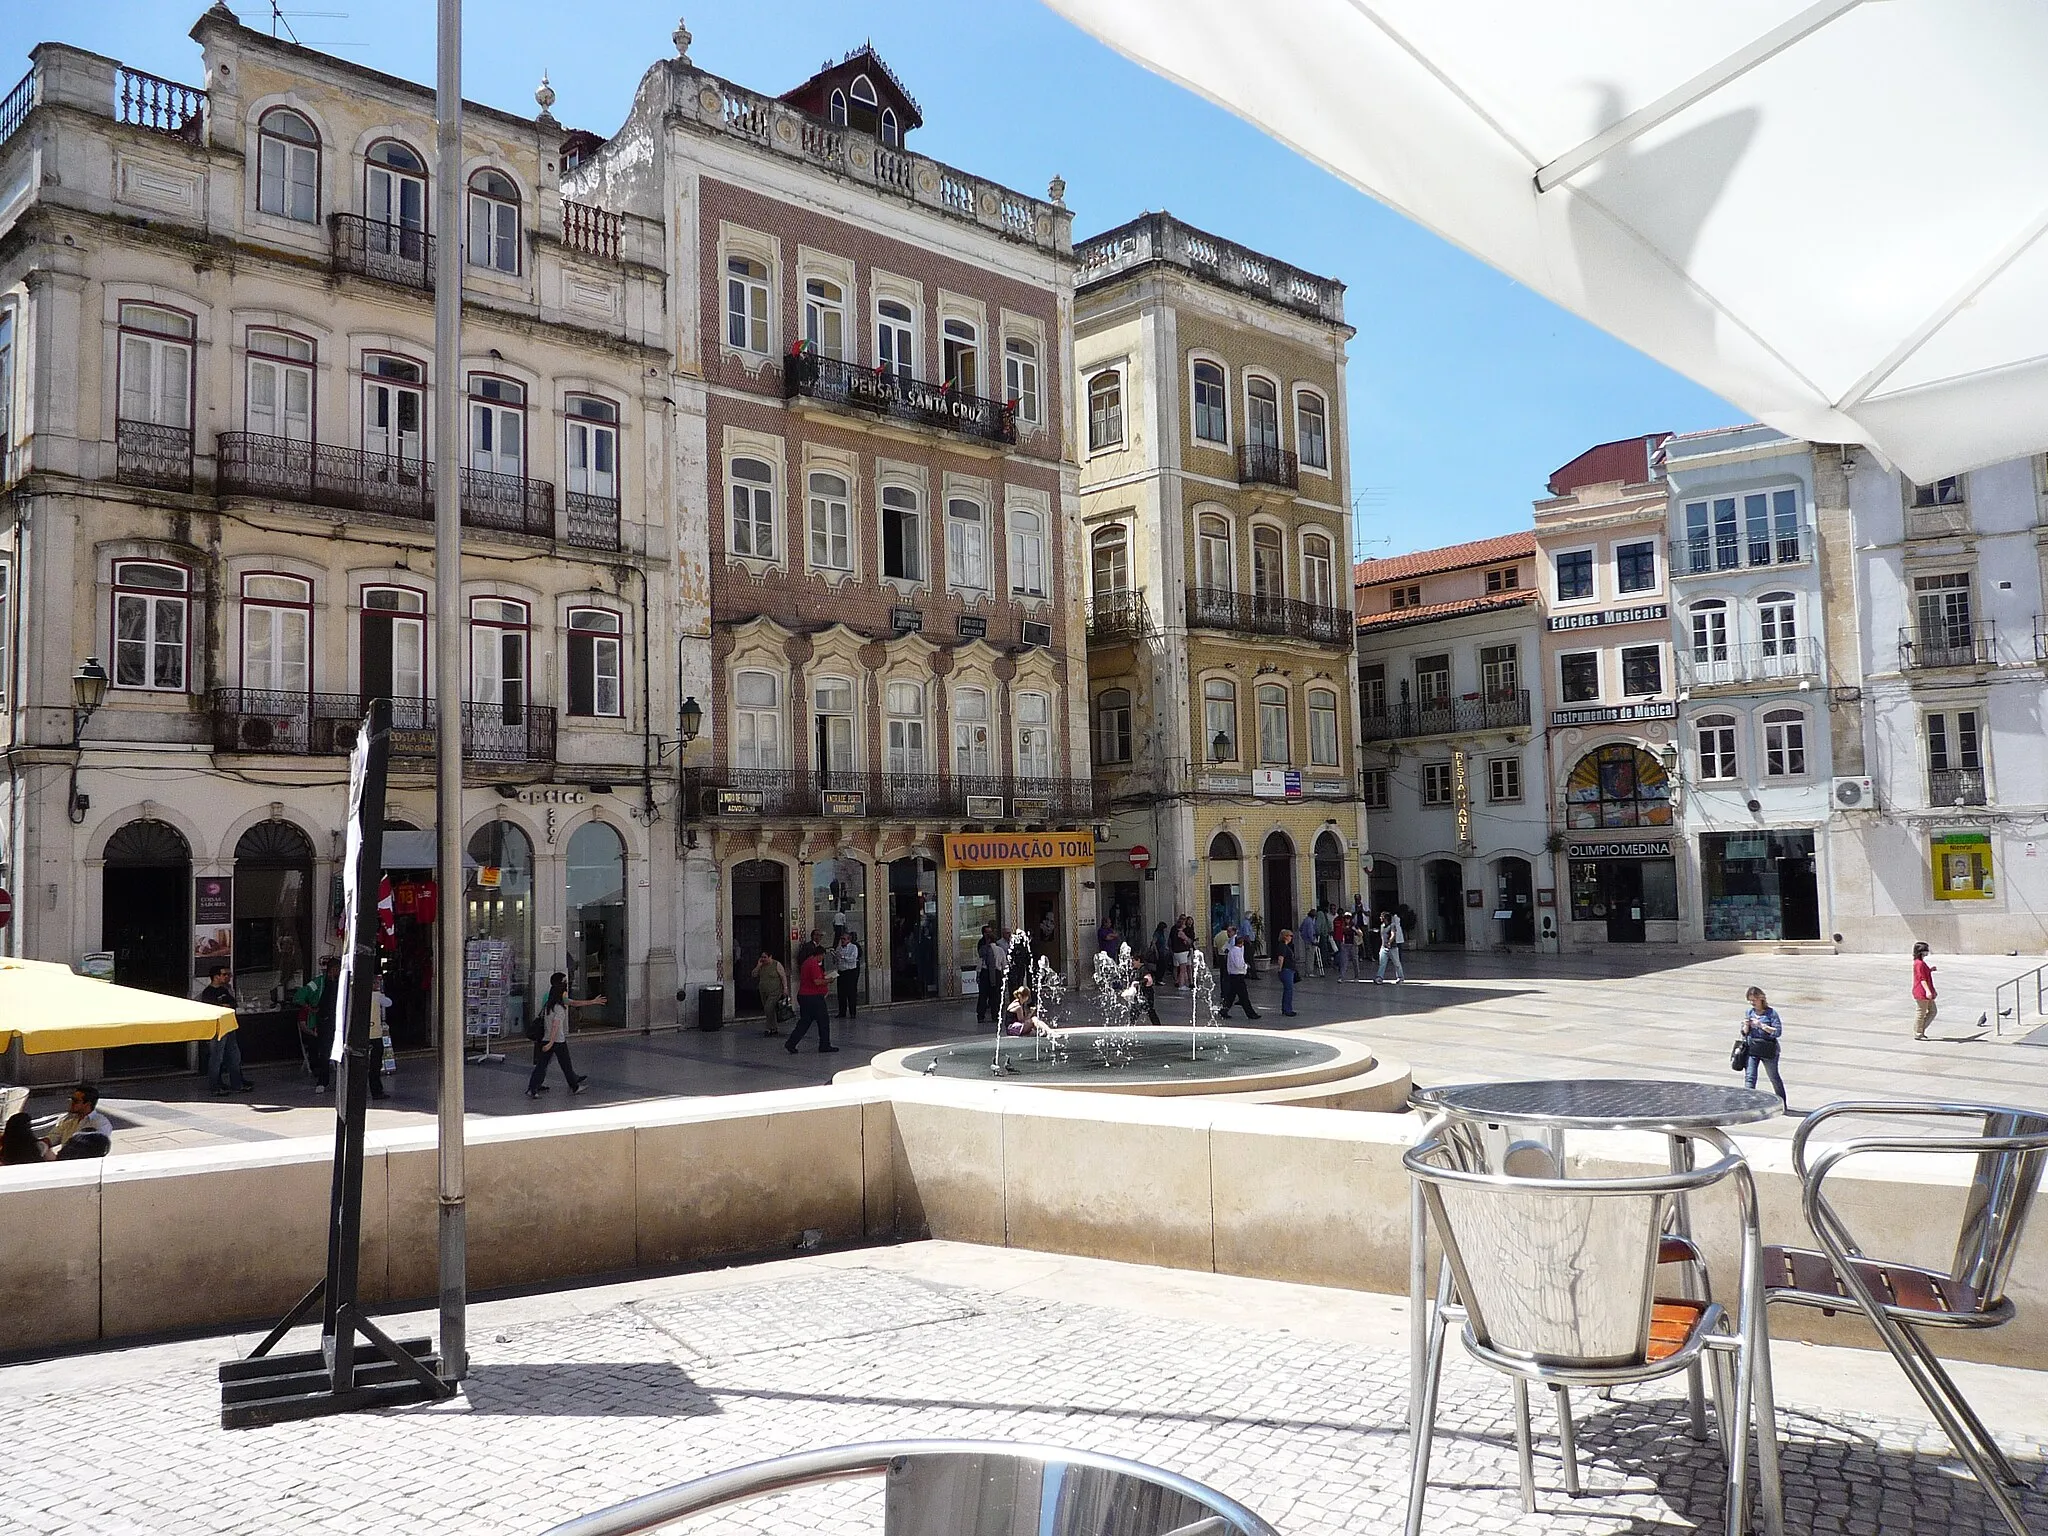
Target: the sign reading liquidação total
(1019, 850)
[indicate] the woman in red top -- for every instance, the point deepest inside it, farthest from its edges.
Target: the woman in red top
(811, 988)
(1923, 992)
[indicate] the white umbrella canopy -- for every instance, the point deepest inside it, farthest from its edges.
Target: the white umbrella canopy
(1831, 214)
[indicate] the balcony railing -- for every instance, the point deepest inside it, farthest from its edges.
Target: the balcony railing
(1732, 552)
(1253, 614)
(259, 721)
(879, 392)
(1956, 786)
(1118, 616)
(954, 797)
(593, 231)
(156, 456)
(1447, 717)
(16, 105)
(391, 253)
(1962, 643)
(251, 464)
(1267, 464)
(593, 521)
(162, 106)
(1755, 661)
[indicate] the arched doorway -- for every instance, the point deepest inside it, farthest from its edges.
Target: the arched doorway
(1628, 881)
(499, 882)
(597, 922)
(1386, 886)
(1446, 882)
(146, 905)
(1330, 872)
(913, 929)
(839, 905)
(760, 920)
(1516, 889)
(1277, 857)
(1226, 883)
(273, 956)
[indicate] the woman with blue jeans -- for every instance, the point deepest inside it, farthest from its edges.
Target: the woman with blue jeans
(1287, 963)
(1762, 1029)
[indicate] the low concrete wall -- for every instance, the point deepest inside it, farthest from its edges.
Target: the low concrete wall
(219, 1236)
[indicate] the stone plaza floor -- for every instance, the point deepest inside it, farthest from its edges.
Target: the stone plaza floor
(1289, 1398)
(1642, 1012)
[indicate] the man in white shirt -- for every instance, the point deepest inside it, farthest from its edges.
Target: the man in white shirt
(82, 1117)
(1236, 989)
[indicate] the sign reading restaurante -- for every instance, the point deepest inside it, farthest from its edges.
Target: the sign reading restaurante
(1019, 850)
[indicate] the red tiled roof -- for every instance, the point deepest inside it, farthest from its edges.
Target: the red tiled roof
(1452, 557)
(1400, 618)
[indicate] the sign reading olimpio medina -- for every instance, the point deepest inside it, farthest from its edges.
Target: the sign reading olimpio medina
(1019, 850)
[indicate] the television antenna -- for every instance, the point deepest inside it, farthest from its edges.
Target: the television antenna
(280, 17)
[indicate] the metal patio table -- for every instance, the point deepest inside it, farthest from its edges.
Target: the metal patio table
(1676, 1109)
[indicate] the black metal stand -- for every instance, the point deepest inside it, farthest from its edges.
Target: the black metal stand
(336, 1378)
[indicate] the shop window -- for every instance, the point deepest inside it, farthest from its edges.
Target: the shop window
(1962, 866)
(1617, 786)
(1758, 885)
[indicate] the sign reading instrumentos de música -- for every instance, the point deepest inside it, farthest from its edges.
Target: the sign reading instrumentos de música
(1610, 714)
(1019, 850)
(1601, 617)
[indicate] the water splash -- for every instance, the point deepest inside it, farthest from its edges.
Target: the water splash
(1118, 999)
(1202, 1008)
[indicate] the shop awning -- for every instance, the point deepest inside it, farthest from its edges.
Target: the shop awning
(1832, 214)
(52, 1008)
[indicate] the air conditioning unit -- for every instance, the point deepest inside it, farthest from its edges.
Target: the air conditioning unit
(1038, 634)
(1854, 795)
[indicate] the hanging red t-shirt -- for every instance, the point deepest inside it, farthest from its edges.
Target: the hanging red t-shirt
(425, 900)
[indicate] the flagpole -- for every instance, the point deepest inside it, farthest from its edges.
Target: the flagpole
(447, 452)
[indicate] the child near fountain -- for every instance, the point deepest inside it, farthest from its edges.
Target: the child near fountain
(1024, 1019)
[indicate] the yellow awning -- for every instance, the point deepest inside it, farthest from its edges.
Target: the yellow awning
(52, 1008)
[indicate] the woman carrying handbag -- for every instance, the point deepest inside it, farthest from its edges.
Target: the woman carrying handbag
(1762, 1030)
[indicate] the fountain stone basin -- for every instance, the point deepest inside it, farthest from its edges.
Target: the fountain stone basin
(1150, 1059)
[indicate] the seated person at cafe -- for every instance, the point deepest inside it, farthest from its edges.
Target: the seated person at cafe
(82, 1119)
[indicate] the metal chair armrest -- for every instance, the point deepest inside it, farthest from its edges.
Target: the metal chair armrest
(1827, 1223)
(1874, 1108)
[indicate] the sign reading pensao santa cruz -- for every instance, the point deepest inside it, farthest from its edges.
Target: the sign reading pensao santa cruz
(1019, 850)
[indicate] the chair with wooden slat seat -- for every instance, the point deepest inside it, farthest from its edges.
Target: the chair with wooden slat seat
(2011, 1151)
(1556, 1283)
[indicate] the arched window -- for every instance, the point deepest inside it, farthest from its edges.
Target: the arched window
(896, 339)
(596, 663)
(1020, 378)
(837, 109)
(1212, 406)
(1617, 786)
(1269, 579)
(497, 433)
(277, 630)
(1105, 411)
(902, 534)
(497, 656)
(752, 485)
(288, 166)
(1027, 552)
(746, 304)
(1273, 735)
(152, 625)
(1262, 414)
(864, 92)
(493, 221)
(1213, 570)
(831, 524)
(1110, 565)
(593, 439)
(757, 721)
(973, 754)
(1710, 662)
(1714, 736)
(279, 400)
(395, 199)
(392, 646)
(1777, 620)
(1223, 846)
(597, 920)
(1034, 735)
(966, 545)
(892, 132)
(1219, 719)
(825, 317)
(156, 373)
(903, 704)
(1113, 725)
(1318, 571)
(1785, 744)
(1322, 727)
(1311, 430)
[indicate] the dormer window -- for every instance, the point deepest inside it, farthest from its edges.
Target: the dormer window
(838, 109)
(864, 92)
(892, 132)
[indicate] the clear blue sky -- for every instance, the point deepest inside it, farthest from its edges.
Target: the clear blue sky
(1466, 390)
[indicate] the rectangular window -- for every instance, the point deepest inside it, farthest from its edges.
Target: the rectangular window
(966, 546)
(1027, 553)
(1436, 783)
(1212, 405)
(1274, 746)
(1432, 680)
(1642, 670)
(1503, 780)
(1322, 729)
(905, 728)
(1500, 673)
(1219, 720)
(1404, 597)
(825, 317)
(497, 425)
(1946, 634)
(1113, 725)
(1945, 492)
(960, 357)
(1373, 789)
(895, 339)
(746, 304)
(1574, 575)
(1020, 378)
(831, 524)
(1962, 866)
(6, 616)
(1105, 412)
(1372, 688)
(757, 721)
(277, 621)
(752, 488)
(497, 655)
(1034, 736)
(1578, 677)
(596, 659)
(151, 622)
(902, 534)
(1952, 741)
(1311, 431)
(834, 731)
(287, 171)
(1717, 748)
(280, 402)
(1635, 567)
(593, 447)
(1506, 578)
(1784, 745)
(156, 366)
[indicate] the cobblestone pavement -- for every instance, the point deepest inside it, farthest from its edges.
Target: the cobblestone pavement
(573, 1405)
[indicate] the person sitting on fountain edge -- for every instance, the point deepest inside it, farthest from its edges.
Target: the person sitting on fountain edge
(1024, 1019)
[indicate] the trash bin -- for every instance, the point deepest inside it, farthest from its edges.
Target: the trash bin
(710, 1008)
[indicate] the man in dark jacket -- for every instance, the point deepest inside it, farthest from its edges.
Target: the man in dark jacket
(321, 995)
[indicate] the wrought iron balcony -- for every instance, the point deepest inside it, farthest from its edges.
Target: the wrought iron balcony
(593, 231)
(881, 392)
(251, 464)
(1753, 661)
(1267, 464)
(1447, 717)
(1957, 643)
(392, 253)
(1956, 786)
(1251, 613)
(1119, 615)
(760, 792)
(593, 520)
(1728, 551)
(155, 456)
(162, 106)
(260, 721)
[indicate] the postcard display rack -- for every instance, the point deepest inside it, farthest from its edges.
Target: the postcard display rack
(486, 990)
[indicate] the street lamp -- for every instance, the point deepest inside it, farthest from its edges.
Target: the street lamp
(693, 719)
(88, 692)
(1219, 749)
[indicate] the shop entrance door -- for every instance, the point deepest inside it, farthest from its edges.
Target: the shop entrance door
(760, 920)
(1124, 901)
(1042, 916)
(1447, 903)
(1798, 889)
(913, 929)
(1278, 857)
(1516, 896)
(1621, 883)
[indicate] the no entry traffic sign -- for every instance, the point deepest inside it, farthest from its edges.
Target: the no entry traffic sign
(1140, 856)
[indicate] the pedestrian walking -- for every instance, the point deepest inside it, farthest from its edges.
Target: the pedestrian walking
(1924, 1005)
(380, 1033)
(1287, 973)
(1392, 938)
(1236, 987)
(848, 974)
(318, 998)
(1340, 944)
(1762, 1030)
(1148, 986)
(1306, 933)
(553, 1044)
(1364, 940)
(771, 984)
(1183, 947)
(987, 978)
(811, 989)
(225, 1069)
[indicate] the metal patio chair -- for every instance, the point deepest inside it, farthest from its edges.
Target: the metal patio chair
(961, 1488)
(2011, 1151)
(1556, 1283)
